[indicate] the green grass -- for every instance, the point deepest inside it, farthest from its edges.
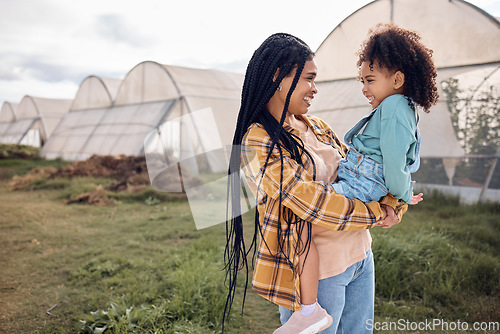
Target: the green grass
(441, 262)
(11, 151)
(11, 167)
(140, 265)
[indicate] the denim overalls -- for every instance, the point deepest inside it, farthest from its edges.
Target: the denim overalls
(361, 177)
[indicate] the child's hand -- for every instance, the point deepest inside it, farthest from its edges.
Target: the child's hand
(415, 199)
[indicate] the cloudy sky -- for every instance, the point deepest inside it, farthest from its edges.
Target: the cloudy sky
(47, 47)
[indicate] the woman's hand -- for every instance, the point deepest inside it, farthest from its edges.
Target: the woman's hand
(390, 217)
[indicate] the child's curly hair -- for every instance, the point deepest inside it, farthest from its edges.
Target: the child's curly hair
(398, 49)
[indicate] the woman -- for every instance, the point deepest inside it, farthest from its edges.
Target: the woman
(289, 160)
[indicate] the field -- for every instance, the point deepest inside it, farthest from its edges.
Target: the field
(137, 264)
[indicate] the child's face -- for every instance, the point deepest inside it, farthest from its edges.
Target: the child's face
(378, 83)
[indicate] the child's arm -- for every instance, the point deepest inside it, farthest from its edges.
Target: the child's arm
(394, 145)
(396, 138)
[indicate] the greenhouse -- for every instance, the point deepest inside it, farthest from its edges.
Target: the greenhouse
(7, 116)
(181, 112)
(185, 116)
(33, 121)
(95, 92)
(463, 38)
(94, 96)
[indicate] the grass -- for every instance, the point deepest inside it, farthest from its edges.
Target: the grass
(11, 167)
(140, 259)
(140, 266)
(443, 261)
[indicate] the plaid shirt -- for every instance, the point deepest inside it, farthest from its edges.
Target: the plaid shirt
(312, 201)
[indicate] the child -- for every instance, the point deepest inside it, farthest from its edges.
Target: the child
(397, 73)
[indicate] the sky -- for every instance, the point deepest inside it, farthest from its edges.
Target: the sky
(48, 47)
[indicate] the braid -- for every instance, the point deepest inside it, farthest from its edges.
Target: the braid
(286, 53)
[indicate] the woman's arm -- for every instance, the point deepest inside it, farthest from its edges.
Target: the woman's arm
(399, 206)
(312, 201)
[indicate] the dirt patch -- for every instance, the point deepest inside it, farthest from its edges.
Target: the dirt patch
(97, 197)
(18, 183)
(130, 173)
(118, 167)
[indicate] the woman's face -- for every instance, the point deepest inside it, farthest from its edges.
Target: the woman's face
(304, 92)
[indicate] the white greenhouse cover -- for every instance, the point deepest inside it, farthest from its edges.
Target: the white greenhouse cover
(151, 96)
(96, 92)
(35, 120)
(480, 80)
(7, 116)
(104, 131)
(341, 104)
(462, 36)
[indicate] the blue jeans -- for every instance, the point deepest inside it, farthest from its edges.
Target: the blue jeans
(348, 297)
(360, 177)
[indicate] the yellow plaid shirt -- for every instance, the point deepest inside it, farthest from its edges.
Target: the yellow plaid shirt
(309, 200)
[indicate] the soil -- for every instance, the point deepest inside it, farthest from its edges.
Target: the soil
(130, 173)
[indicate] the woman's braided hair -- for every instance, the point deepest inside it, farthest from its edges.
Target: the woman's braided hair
(396, 49)
(279, 54)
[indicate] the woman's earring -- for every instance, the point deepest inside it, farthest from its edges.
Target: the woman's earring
(279, 89)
